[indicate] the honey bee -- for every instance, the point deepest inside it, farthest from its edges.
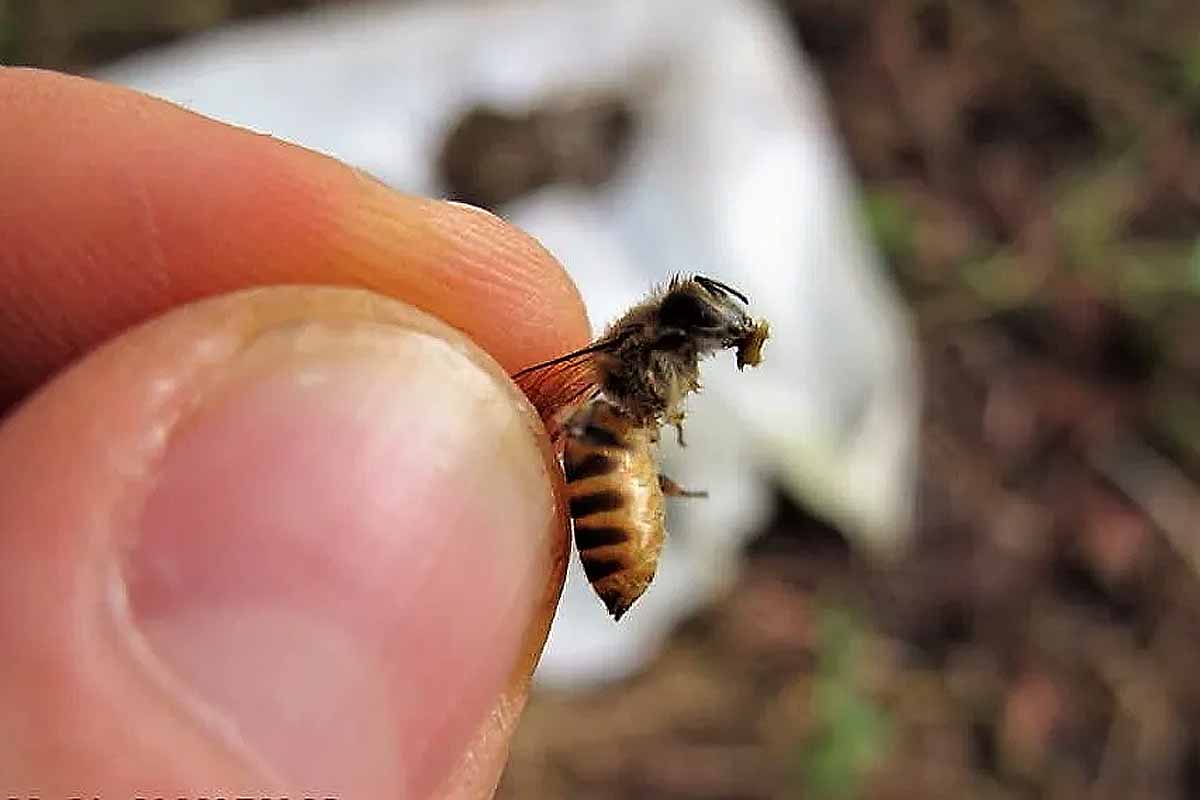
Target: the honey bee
(608, 401)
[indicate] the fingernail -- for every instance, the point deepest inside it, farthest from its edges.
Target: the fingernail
(343, 551)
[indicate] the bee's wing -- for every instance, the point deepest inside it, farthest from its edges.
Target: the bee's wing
(557, 386)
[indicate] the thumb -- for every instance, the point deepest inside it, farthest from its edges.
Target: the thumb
(290, 541)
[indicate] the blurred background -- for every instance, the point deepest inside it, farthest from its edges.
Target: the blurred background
(1025, 179)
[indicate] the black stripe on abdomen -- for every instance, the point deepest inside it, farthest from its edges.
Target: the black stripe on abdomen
(588, 504)
(589, 538)
(589, 466)
(598, 569)
(594, 434)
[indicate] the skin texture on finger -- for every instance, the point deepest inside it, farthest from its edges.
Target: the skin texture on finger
(86, 465)
(118, 206)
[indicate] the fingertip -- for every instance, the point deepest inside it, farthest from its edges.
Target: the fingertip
(471, 268)
(131, 205)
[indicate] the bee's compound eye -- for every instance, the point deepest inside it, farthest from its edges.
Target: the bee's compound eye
(684, 310)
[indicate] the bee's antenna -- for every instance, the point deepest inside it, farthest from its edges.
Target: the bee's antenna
(716, 287)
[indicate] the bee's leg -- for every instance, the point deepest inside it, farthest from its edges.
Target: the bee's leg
(675, 420)
(672, 489)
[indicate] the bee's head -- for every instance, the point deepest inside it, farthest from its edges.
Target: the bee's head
(708, 315)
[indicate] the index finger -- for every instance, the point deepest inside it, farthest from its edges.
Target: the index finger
(117, 206)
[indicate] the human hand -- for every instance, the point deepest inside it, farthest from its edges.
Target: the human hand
(280, 542)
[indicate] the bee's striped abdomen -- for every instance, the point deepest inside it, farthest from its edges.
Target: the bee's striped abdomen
(616, 504)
